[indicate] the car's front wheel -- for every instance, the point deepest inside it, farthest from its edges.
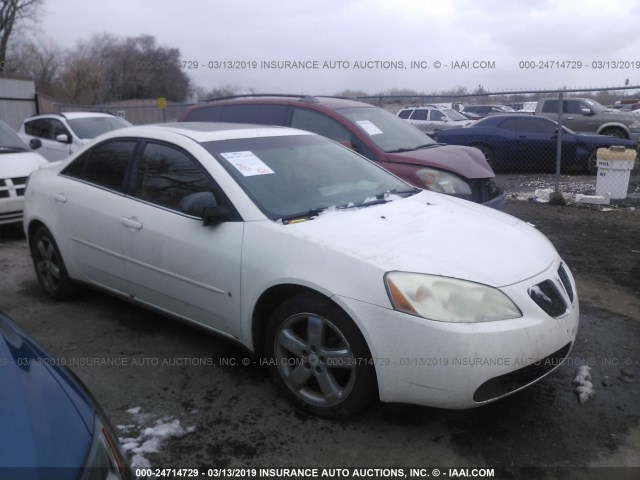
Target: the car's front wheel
(487, 152)
(50, 270)
(319, 357)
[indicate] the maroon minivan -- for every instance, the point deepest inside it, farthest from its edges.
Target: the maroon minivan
(372, 132)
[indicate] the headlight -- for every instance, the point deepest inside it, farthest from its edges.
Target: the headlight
(447, 299)
(443, 182)
(105, 460)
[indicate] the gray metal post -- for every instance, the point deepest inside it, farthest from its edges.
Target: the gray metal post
(559, 145)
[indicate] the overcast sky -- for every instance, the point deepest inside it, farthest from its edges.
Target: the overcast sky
(376, 41)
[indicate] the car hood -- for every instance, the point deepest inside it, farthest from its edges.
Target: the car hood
(45, 421)
(435, 234)
(19, 164)
(465, 161)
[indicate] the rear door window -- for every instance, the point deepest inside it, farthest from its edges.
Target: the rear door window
(104, 165)
(321, 124)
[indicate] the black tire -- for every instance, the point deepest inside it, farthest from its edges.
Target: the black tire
(319, 358)
(49, 266)
(615, 132)
(591, 168)
(487, 152)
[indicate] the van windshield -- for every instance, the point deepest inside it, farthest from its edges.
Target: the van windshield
(387, 131)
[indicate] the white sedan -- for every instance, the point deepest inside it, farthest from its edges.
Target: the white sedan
(353, 284)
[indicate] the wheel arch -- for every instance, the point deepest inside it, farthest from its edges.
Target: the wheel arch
(33, 227)
(614, 126)
(270, 299)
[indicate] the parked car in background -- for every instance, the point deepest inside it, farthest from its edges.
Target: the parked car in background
(523, 107)
(17, 162)
(61, 134)
(432, 119)
(584, 115)
(529, 143)
(630, 107)
(484, 110)
(311, 255)
(370, 131)
(52, 428)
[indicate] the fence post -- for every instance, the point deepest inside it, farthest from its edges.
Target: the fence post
(559, 144)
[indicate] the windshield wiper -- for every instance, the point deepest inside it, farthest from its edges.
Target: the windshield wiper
(380, 198)
(411, 149)
(429, 145)
(314, 212)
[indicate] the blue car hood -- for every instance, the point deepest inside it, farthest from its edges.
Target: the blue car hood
(46, 419)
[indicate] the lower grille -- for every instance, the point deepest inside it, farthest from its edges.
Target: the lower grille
(499, 386)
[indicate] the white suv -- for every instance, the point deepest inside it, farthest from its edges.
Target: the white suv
(62, 134)
(16, 164)
(432, 118)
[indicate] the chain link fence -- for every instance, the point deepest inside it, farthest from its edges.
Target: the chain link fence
(553, 140)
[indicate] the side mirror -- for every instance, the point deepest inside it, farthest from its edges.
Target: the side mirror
(586, 111)
(215, 215)
(35, 143)
(63, 138)
(196, 204)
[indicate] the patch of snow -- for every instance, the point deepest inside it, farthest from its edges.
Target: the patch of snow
(542, 195)
(150, 439)
(535, 290)
(582, 382)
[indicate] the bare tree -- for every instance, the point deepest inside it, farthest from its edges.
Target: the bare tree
(41, 60)
(11, 13)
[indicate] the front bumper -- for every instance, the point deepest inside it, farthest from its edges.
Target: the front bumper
(464, 365)
(497, 202)
(11, 210)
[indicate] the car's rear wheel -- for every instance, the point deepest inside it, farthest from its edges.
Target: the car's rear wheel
(319, 357)
(50, 270)
(592, 163)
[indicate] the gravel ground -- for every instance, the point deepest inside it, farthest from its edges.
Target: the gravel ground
(231, 415)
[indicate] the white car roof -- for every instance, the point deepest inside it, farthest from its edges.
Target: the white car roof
(208, 131)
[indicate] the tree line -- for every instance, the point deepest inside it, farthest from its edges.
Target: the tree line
(104, 69)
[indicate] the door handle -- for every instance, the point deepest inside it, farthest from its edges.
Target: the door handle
(60, 197)
(131, 223)
(569, 118)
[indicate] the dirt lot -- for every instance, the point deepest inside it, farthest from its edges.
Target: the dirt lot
(233, 416)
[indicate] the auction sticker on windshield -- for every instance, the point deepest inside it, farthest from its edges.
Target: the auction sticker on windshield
(369, 127)
(247, 163)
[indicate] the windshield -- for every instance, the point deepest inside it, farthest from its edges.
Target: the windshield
(300, 175)
(91, 127)
(9, 140)
(387, 131)
(455, 116)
